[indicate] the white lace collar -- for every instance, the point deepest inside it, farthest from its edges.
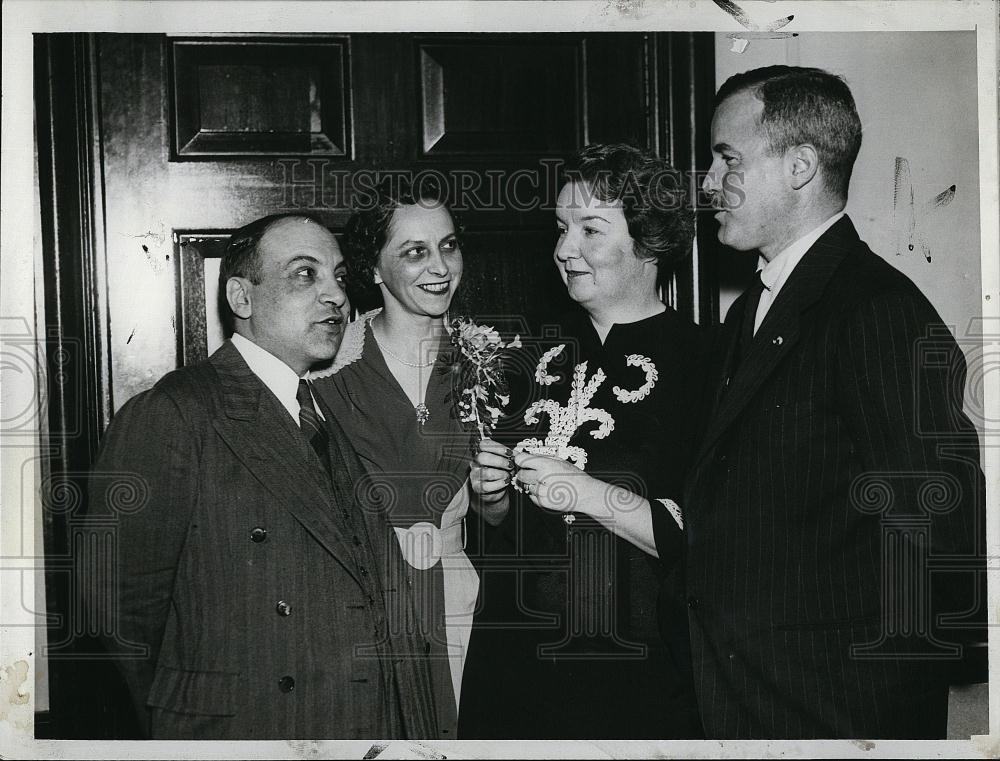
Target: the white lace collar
(351, 347)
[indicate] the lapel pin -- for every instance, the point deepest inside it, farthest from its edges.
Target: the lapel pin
(777, 341)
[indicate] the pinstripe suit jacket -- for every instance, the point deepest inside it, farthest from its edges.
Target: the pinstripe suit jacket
(265, 593)
(836, 477)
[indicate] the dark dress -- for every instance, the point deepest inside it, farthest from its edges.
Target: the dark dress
(415, 471)
(570, 642)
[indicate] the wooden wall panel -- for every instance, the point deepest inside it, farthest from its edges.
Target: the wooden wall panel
(257, 97)
(503, 97)
(201, 326)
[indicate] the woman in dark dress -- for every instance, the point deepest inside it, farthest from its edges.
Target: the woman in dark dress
(388, 391)
(571, 646)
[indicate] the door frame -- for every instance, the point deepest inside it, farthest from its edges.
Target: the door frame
(78, 398)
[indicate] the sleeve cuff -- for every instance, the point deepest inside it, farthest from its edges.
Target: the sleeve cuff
(675, 511)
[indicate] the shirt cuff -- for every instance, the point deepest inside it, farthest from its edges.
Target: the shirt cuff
(675, 511)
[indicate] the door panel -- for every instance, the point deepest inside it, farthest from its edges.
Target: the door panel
(259, 97)
(501, 98)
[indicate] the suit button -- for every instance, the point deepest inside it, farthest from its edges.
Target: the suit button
(692, 602)
(364, 571)
(286, 684)
(357, 541)
(258, 535)
(283, 608)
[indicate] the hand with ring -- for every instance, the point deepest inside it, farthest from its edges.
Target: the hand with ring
(552, 483)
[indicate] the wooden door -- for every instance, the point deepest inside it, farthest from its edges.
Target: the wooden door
(153, 148)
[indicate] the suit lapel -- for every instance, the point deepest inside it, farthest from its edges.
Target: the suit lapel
(781, 330)
(769, 347)
(344, 476)
(264, 438)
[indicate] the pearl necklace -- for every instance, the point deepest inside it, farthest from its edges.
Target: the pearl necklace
(399, 359)
(422, 412)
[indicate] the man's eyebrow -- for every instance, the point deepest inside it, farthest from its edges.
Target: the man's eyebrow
(724, 147)
(593, 216)
(301, 258)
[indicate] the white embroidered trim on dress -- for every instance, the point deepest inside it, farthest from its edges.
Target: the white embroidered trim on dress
(564, 421)
(675, 511)
(637, 360)
(541, 375)
(351, 346)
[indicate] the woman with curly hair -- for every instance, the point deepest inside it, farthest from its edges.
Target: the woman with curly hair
(571, 646)
(389, 389)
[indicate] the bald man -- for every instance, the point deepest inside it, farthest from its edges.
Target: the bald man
(262, 589)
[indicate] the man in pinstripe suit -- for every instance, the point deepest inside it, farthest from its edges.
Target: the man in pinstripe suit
(837, 482)
(262, 594)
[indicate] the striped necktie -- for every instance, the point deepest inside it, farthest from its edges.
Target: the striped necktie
(312, 426)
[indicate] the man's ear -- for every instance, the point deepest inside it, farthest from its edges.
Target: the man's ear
(238, 294)
(377, 276)
(802, 163)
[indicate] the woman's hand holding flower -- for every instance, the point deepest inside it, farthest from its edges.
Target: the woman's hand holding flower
(491, 471)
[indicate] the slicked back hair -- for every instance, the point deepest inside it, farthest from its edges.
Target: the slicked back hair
(242, 257)
(805, 105)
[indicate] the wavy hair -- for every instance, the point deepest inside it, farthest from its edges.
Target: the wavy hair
(368, 228)
(653, 196)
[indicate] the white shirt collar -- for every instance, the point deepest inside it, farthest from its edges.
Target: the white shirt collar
(774, 273)
(273, 373)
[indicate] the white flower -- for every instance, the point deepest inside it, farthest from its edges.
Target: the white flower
(482, 348)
